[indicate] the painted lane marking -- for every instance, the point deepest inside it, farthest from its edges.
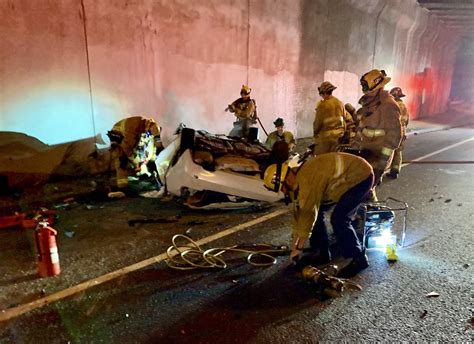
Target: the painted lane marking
(13, 312)
(438, 151)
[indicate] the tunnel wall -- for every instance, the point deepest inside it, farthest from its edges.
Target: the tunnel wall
(184, 61)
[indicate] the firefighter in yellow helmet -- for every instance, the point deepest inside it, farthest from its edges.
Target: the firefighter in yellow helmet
(349, 122)
(379, 130)
(245, 111)
(337, 181)
(328, 125)
(134, 145)
(397, 93)
(280, 134)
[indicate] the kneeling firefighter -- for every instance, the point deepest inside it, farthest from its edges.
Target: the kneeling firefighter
(134, 145)
(338, 179)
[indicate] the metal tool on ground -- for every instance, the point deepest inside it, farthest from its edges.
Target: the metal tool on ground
(189, 255)
(327, 282)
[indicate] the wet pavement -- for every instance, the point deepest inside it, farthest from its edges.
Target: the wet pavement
(247, 304)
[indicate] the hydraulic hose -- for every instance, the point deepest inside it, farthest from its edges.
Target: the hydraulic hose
(190, 255)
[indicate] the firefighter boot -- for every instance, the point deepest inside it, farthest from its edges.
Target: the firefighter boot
(356, 265)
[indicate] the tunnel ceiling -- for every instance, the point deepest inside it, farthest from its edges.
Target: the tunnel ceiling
(457, 15)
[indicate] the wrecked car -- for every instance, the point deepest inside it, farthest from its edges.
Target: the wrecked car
(216, 171)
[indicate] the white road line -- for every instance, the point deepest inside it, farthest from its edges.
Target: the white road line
(439, 151)
(19, 310)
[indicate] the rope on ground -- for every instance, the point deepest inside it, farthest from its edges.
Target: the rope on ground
(190, 255)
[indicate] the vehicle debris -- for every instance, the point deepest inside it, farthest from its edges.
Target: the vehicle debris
(432, 294)
(116, 194)
(69, 234)
(423, 315)
(448, 200)
(132, 223)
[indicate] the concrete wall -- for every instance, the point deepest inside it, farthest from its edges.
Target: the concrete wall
(185, 60)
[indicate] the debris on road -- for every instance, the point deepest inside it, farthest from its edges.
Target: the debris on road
(69, 234)
(61, 206)
(459, 204)
(432, 294)
(448, 200)
(465, 266)
(173, 219)
(431, 200)
(195, 222)
(423, 315)
(116, 194)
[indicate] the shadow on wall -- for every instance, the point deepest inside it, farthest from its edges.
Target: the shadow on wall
(25, 160)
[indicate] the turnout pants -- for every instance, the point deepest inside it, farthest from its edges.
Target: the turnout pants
(341, 221)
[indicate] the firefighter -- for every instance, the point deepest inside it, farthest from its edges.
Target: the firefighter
(127, 137)
(328, 125)
(379, 130)
(349, 123)
(280, 134)
(245, 110)
(338, 180)
(397, 93)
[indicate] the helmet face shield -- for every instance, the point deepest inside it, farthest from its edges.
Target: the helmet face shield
(373, 80)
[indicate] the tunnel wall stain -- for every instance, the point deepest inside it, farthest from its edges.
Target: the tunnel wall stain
(184, 61)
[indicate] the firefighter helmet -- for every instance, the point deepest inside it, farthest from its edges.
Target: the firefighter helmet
(245, 90)
(279, 122)
(397, 92)
(326, 87)
(374, 80)
(275, 175)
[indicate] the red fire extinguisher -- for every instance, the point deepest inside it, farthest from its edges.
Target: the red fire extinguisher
(47, 250)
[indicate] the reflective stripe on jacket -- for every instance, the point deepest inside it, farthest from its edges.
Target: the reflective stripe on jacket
(323, 180)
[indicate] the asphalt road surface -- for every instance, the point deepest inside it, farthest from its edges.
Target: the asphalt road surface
(244, 304)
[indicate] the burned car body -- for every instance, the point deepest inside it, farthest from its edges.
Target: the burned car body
(204, 168)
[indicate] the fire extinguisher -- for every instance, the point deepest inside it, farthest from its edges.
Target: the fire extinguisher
(47, 250)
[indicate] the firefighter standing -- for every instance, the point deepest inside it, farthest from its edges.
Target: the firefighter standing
(328, 125)
(124, 137)
(280, 134)
(245, 109)
(397, 93)
(339, 179)
(379, 130)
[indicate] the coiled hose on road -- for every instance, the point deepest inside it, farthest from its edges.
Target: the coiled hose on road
(190, 255)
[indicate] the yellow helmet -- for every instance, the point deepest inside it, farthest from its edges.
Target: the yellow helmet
(245, 90)
(275, 176)
(374, 80)
(326, 87)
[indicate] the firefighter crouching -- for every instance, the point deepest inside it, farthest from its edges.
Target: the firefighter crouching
(134, 144)
(379, 130)
(280, 134)
(397, 93)
(245, 111)
(328, 125)
(339, 179)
